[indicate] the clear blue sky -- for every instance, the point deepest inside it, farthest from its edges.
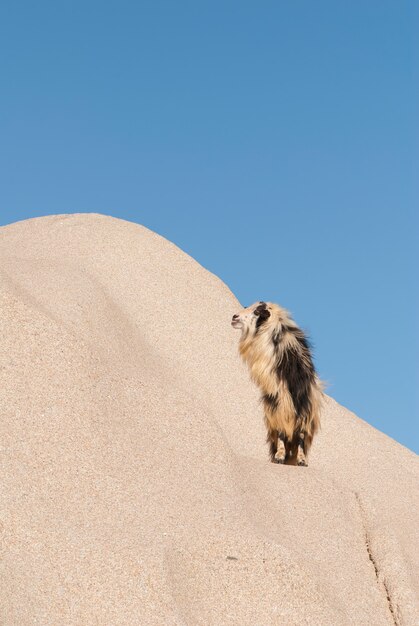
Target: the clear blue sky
(276, 142)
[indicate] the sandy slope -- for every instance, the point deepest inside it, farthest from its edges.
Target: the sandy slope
(136, 483)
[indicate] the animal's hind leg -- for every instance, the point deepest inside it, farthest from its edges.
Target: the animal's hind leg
(301, 457)
(281, 451)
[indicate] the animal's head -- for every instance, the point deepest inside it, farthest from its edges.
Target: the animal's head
(252, 317)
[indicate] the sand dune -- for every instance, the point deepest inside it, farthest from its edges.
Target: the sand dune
(136, 487)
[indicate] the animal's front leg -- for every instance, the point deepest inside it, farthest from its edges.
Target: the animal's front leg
(271, 439)
(301, 457)
(280, 450)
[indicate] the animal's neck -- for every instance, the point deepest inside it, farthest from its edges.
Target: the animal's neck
(252, 346)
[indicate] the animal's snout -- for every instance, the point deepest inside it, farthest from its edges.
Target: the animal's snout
(236, 321)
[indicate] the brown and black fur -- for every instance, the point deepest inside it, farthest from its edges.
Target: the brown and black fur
(278, 355)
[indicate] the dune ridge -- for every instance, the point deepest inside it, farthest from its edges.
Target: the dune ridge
(136, 487)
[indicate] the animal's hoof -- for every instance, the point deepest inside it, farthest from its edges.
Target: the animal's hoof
(302, 463)
(281, 461)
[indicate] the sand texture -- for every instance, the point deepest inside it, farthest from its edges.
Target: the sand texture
(136, 487)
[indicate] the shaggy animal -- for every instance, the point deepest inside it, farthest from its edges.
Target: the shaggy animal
(279, 358)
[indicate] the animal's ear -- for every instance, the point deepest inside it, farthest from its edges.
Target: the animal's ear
(262, 312)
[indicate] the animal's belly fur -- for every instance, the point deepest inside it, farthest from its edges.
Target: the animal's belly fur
(282, 417)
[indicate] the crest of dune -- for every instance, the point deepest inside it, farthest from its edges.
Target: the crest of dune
(136, 487)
